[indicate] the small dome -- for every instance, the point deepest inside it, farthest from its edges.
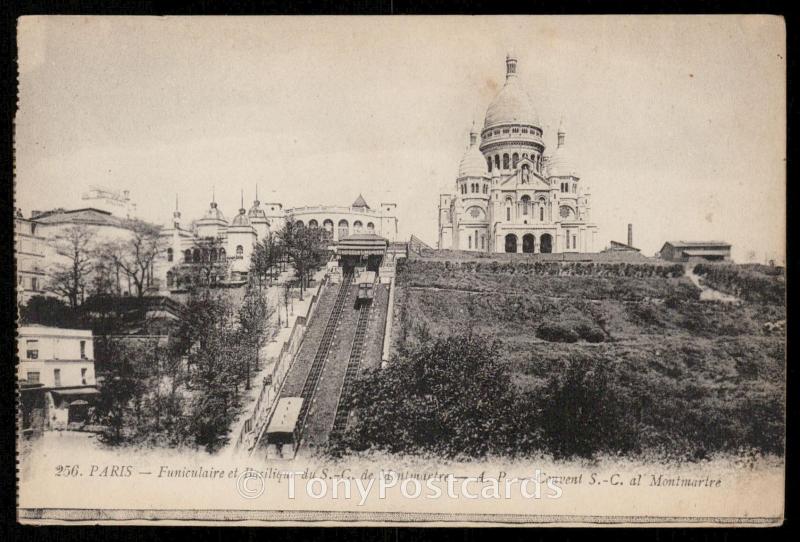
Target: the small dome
(241, 219)
(561, 164)
(473, 164)
(256, 211)
(213, 214)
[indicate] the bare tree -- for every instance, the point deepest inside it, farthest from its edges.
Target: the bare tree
(135, 255)
(205, 265)
(70, 276)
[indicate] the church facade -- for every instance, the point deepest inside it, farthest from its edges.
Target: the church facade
(512, 195)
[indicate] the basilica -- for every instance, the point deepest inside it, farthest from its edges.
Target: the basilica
(512, 195)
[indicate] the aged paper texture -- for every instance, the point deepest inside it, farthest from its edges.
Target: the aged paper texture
(401, 270)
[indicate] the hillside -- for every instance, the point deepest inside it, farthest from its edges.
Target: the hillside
(694, 377)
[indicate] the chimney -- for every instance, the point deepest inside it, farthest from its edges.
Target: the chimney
(630, 235)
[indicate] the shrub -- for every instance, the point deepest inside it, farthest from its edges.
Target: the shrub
(556, 332)
(590, 333)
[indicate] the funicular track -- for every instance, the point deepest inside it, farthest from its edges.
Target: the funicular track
(312, 380)
(356, 353)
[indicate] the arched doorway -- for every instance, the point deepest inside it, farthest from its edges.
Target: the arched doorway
(511, 243)
(546, 243)
(528, 242)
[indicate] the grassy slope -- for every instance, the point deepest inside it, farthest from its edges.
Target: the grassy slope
(681, 355)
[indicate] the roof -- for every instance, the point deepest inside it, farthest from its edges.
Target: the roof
(616, 245)
(697, 244)
(360, 244)
(286, 413)
(241, 219)
(707, 252)
(37, 330)
(88, 390)
(87, 215)
(512, 105)
(360, 202)
(213, 215)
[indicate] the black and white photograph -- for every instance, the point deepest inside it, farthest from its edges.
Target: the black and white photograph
(430, 271)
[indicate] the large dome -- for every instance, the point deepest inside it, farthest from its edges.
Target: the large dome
(512, 105)
(473, 164)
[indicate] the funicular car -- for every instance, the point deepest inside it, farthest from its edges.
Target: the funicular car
(366, 285)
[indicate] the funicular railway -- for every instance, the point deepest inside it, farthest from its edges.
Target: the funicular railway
(305, 416)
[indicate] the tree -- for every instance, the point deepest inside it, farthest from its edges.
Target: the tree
(266, 260)
(69, 276)
(48, 311)
(135, 255)
(254, 314)
(305, 247)
(208, 265)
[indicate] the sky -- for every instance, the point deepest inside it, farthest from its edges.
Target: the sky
(677, 123)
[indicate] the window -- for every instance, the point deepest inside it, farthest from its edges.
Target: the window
(505, 161)
(574, 241)
(515, 130)
(344, 227)
(485, 188)
(524, 130)
(508, 214)
(33, 377)
(313, 223)
(357, 226)
(497, 161)
(505, 130)
(32, 349)
(541, 214)
(526, 203)
(483, 241)
(196, 255)
(470, 241)
(83, 376)
(170, 279)
(371, 226)
(222, 255)
(239, 251)
(169, 254)
(489, 163)
(34, 284)
(187, 256)
(514, 160)
(57, 378)
(83, 349)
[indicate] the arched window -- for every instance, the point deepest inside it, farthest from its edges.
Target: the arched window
(524, 154)
(357, 226)
(169, 254)
(239, 251)
(222, 254)
(328, 225)
(489, 163)
(313, 223)
(526, 203)
(370, 227)
(344, 228)
(541, 213)
(213, 254)
(196, 255)
(299, 223)
(470, 242)
(505, 161)
(514, 160)
(485, 188)
(497, 161)
(170, 279)
(187, 256)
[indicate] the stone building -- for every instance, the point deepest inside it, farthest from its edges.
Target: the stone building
(511, 194)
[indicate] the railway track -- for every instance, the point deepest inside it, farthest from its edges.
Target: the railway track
(356, 353)
(312, 380)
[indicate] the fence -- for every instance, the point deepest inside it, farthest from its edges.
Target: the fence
(272, 383)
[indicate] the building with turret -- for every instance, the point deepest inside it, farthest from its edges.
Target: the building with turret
(511, 194)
